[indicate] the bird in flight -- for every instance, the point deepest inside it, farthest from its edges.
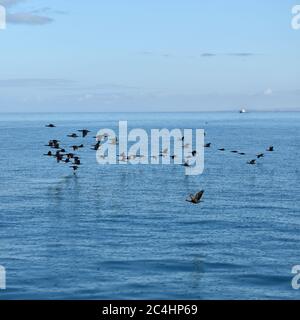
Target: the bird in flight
(195, 199)
(55, 145)
(73, 135)
(96, 146)
(52, 143)
(77, 161)
(74, 168)
(58, 156)
(252, 162)
(186, 164)
(49, 154)
(84, 132)
(260, 155)
(271, 149)
(70, 155)
(76, 147)
(50, 125)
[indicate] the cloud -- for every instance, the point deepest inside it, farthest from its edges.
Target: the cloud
(28, 18)
(146, 53)
(66, 95)
(34, 82)
(34, 17)
(202, 55)
(208, 55)
(48, 10)
(163, 101)
(115, 86)
(242, 54)
(10, 3)
(234, 54)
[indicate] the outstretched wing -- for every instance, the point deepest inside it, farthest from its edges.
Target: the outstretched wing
(199, 195)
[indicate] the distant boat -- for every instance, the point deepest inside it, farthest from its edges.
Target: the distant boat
(243, 111)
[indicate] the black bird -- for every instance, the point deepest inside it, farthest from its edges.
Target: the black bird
(252, 162)
(51, 143)
(50, 125)
(56, 145)
(195, 199)
(77, 161)
(67, 160)
(260, 155)
(62, 150)
(73, 135)
(96, 146)
(271, 149)
(70, 155)
(75, 168)
(234, 151)
(194, 153)
(84, 132)
(49, 154)
(242, 153)
(207, 145)
(74, 148)
(186, 164)
(59, 157)
(222, 149)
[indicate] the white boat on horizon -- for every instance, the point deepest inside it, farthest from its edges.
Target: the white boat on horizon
(243, 111)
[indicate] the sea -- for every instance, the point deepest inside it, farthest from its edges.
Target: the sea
(127, 231)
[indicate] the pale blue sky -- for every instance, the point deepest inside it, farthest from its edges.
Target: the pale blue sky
(158, 55)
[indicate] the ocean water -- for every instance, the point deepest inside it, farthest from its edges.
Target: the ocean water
(126, 232)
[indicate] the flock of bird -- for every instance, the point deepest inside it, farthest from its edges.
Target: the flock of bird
(253, 161)
(196, 198)
(63, 156)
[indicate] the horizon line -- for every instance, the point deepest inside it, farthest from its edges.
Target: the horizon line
(189, 111)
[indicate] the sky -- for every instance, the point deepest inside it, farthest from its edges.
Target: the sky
(150, 55)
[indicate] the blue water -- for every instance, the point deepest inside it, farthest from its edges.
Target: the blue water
(126, 232)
